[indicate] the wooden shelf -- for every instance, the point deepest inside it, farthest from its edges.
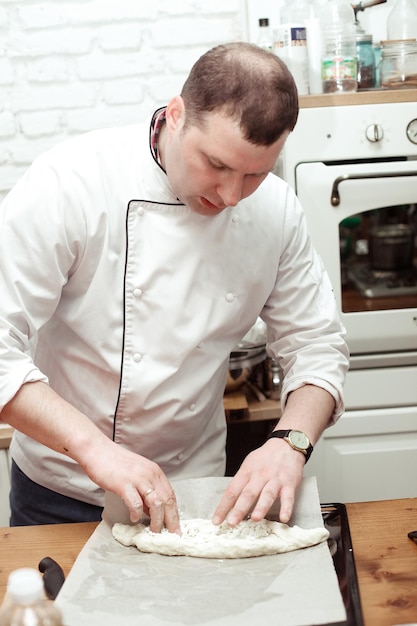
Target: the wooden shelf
(6, 433)
(371, 96)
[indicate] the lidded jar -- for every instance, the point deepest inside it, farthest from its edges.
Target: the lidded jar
(366, 61)
(399, 63)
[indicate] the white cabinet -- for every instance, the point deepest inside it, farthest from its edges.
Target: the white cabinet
(367, 455)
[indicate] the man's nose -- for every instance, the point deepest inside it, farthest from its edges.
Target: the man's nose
(230, 190)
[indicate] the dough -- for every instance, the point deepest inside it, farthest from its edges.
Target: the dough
(201, 538)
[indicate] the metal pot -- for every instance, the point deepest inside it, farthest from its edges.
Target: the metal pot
(242, 362)
(391, 247)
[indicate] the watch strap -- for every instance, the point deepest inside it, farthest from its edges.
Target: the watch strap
(284, 434)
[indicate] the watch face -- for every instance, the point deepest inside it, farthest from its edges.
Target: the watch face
(299, 439)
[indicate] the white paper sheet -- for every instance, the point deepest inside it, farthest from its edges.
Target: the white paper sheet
(110, 583)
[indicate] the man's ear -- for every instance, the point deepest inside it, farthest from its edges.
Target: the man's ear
(175, 113)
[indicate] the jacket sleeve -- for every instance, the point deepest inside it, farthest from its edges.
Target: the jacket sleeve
(304, 329)
(37, 254)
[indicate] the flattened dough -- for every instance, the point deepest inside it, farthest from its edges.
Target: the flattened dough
(200, 538)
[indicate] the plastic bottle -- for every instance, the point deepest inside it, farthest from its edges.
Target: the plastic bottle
(25, 603)
(295, 11)
(402, 21)
(290, 41)
(264, 39)
(339, 56)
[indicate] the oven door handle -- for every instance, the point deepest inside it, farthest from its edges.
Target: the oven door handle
(335, 196)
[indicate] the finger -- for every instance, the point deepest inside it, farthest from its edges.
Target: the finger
(241, 508)
(163, 511)
(133, 502)
(237, 500)
(287, 497)
(263, 505)
(156, 512)
(171, 516)
(256, 499)
(226, 503)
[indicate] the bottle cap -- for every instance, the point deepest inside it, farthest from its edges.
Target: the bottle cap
(25, 585)
(364, 37)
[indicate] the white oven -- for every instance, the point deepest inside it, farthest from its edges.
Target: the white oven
(354, 168)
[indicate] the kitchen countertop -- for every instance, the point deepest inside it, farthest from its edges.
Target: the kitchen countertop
(386, 559)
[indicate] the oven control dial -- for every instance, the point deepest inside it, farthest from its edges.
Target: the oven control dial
(412, 131)
(374, 133)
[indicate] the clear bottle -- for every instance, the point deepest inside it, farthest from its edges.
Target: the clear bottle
(296, 11)
(290, 41)
(264, 39)
(26, 604)
(339, 56)
(402, 21)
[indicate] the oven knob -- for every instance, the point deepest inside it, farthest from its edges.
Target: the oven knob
(374, 133)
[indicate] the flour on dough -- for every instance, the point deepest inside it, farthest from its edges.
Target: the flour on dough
(201, 538)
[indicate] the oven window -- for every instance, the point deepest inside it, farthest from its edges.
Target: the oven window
(378, 259)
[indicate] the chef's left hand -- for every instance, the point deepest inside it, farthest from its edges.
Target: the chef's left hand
(271, 471)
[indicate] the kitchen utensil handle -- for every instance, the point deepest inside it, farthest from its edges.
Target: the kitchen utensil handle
(53, 576)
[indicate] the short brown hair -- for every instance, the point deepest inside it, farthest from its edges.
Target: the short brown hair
(251, 85)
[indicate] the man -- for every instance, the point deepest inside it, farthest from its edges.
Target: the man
(132, 262)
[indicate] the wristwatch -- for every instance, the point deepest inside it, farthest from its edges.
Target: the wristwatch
(296, 439)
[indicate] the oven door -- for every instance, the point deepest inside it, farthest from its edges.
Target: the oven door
(347, 205)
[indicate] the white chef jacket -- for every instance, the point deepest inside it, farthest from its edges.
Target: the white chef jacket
(128, 303)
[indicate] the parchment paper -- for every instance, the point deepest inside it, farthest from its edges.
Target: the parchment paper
(110, 583)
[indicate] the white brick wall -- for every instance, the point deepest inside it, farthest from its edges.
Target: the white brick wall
(67, 66)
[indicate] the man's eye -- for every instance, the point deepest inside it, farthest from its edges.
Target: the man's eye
(216, 166)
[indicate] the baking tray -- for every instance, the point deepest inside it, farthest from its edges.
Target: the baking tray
(335, 520)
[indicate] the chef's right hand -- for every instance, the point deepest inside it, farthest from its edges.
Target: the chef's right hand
(140, 483)
(39, 412)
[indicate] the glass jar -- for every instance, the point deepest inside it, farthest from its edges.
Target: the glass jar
(399, 63)
(366, 61)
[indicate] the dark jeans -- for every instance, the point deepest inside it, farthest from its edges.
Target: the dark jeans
(32, 504)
